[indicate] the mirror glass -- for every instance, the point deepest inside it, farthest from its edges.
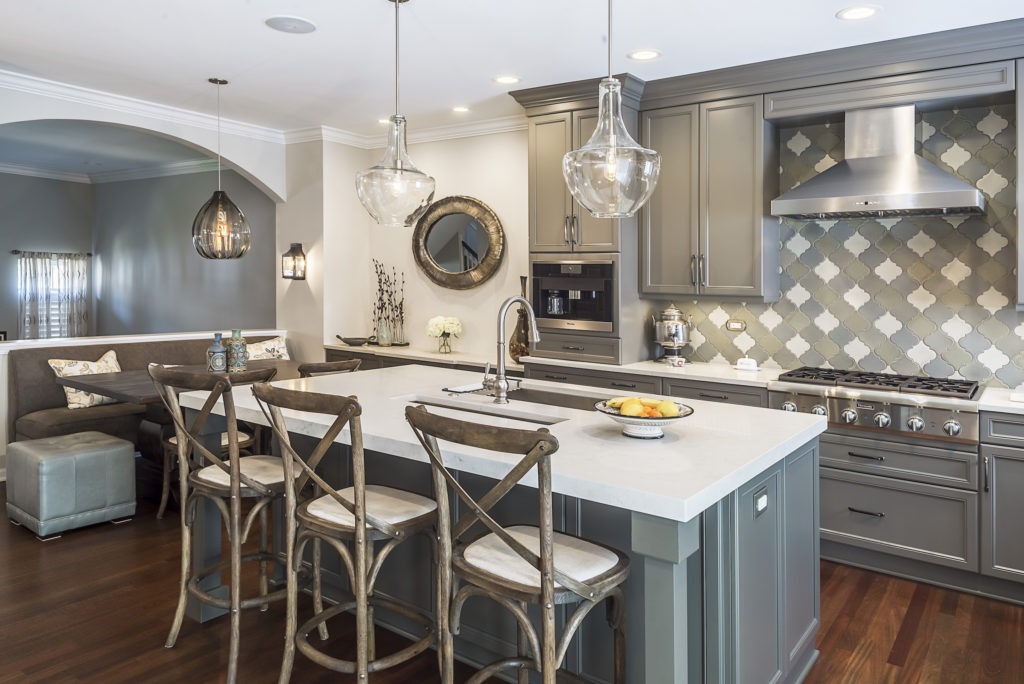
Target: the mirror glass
(458, 242)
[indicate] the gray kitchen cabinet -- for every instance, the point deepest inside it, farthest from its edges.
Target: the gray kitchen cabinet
(715, 391)
(371, 361)
(1002, 507)
(368, 361)
(557, 222)
(707, 229)
(620, 382)
(579, 347)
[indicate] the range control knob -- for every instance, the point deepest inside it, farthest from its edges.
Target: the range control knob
(819, 410)
(848, 416)
(951, 427)
(882, 419)
(915, 423)
(789, 406)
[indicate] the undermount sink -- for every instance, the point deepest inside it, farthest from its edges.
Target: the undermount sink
(548, 398)
(481, 406)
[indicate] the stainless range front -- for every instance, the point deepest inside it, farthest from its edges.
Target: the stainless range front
(881, 403)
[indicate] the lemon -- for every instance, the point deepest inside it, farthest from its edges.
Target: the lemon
(617, 402)
(631, 407)
(668, 409)
(647, 401)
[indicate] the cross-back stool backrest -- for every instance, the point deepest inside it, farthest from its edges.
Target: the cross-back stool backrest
(312, 368)
(536, 448)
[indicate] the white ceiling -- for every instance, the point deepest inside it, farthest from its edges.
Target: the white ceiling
(342, 75)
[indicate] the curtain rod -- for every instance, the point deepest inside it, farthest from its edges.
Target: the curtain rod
(18, 251)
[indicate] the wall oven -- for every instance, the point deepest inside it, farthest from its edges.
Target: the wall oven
(576, 293)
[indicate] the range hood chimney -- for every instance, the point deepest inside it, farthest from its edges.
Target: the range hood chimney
(881, 176)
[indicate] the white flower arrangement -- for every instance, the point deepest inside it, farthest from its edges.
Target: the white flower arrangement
(443, 326)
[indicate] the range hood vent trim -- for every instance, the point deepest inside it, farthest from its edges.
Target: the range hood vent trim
(880, 177)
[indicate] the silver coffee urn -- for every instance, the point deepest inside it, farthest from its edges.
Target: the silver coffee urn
(671, 333)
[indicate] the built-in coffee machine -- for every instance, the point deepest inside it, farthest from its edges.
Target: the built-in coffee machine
(574, 294)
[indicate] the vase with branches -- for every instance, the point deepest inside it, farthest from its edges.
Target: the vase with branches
(389, 306)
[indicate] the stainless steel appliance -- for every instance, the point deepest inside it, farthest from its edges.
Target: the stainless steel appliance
(575, 294)
(671, 332)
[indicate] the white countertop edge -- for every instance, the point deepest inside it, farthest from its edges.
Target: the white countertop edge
(696, 465)
(699, 371)
(454, 358)
(998, 399)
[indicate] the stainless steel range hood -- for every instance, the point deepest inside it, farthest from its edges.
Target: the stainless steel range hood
(881, 176)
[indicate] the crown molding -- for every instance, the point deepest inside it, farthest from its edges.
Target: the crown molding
(161, 171)
(438, 133)
(19, 170)
(32, 85)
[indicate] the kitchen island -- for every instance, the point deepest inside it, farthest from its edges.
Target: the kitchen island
(719, 517)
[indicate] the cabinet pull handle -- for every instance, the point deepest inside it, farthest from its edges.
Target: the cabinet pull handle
(555, 377)
(572, 347)
(708, 395)
(565, 229)
(985, 469)
(702, 271)
(693, 270)
(627, 385)
(872, 458)
(863, 512)
(577, 230)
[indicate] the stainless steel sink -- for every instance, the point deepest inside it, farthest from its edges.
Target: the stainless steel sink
(581, 402)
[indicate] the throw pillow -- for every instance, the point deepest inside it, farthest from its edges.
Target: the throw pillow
(274, 348)
(68, 367)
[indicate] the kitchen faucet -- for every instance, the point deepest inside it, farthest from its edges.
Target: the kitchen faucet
(500, 382)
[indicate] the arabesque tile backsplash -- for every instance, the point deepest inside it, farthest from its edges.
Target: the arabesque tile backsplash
(916, 295)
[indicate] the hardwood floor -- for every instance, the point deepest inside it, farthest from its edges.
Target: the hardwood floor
(95, 606)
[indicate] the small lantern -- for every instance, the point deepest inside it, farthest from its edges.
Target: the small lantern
(293, 262)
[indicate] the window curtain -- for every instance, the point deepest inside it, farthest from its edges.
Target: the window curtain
(53, 295)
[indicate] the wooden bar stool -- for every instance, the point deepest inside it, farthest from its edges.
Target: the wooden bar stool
(363, 523)
(226, 482)
(307, 370)
(520, 565)
(170, 448)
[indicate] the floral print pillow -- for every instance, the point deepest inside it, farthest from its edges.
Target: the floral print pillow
(274, 348)
(68, 367)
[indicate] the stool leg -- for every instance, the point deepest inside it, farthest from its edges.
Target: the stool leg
(236, 588)
(264, 553)
(186, 562)
(318, 596)
(165, 487)
(294, 560)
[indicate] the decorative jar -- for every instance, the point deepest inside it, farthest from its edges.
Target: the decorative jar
(238, 355)
(216, 355)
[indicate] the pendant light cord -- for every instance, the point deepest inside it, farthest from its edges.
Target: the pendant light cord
(218, 134)
(609, 38)
(397, 3)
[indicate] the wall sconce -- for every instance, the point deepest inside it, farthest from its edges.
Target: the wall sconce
(293, 263)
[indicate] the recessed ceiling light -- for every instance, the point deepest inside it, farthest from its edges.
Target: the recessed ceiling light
(644, 55)
(460, 110)
(506, 80)
(857, 12)
(291, 24)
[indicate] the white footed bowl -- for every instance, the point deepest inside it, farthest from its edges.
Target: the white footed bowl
(639, 427)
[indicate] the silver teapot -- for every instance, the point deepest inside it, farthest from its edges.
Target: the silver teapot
(671, 329)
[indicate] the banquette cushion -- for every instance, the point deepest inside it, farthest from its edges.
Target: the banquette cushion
(274, 348)
(63, 368)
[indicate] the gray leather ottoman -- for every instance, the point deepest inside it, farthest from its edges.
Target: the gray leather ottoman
(60, 483)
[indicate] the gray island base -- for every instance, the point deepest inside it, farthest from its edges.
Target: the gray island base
(720, 518)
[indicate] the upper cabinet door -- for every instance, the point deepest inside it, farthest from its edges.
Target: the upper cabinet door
(591, 234)
(738, 236)
(669, 220)
(550, 137)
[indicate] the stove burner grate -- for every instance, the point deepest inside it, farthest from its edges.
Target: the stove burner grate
(886, 382)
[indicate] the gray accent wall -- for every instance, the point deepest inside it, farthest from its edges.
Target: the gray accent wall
(149, 279)
(38, 214)
(916, 295)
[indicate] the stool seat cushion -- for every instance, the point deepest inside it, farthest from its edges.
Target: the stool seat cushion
(60, 483)
(267, 470)
(393, 506)
(573, 556)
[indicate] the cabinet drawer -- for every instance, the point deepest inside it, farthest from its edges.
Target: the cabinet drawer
(933, 524)
(909, 462)
(716, 391)
(626, 384)
(572, 347)
(1002, 428)
(369, 361)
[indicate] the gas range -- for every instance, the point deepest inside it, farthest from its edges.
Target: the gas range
(882, 403)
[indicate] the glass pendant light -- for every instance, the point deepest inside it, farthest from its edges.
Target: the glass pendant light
(395, 192)
(611, 176)
(220, 229)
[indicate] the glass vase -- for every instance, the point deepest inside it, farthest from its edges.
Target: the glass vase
(444, 344)
(384, 338)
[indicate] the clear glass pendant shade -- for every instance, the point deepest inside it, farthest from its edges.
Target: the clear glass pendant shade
(611, 175)
(395, 192)
(220, 229)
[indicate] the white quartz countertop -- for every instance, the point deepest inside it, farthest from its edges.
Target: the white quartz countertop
(1002, 399)
(701, 459)
(705, 372)
(409, 353)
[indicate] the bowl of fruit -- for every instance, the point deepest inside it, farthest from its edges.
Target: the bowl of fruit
(643, 417)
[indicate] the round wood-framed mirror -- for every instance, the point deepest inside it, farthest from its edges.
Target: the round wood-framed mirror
(458, 243)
